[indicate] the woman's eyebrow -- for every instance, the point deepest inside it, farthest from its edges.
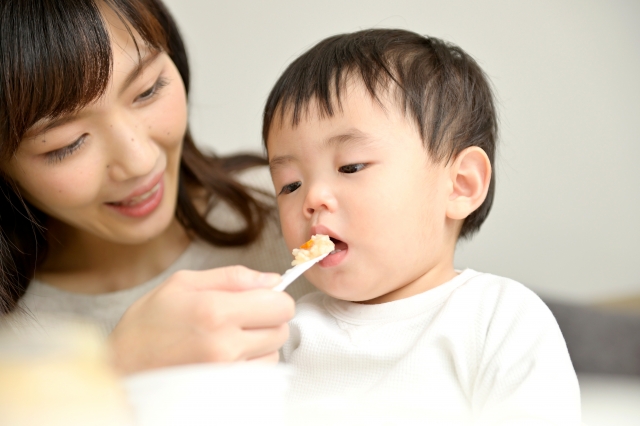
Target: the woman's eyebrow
(46, 125)
(140, 66)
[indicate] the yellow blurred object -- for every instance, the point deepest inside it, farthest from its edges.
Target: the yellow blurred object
(630, 304)
(59, 378)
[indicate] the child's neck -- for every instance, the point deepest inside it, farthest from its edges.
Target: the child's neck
(441, 273)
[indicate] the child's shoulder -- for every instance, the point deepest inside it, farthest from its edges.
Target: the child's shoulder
(502, 303)
(496, 291)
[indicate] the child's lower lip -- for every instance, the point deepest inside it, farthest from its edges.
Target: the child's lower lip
(333, 259)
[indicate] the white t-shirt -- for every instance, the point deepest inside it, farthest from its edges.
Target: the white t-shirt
(479, 347)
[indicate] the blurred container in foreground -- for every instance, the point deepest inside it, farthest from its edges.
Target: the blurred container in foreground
(57, 378)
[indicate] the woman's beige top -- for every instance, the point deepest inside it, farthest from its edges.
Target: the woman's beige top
(43, 303)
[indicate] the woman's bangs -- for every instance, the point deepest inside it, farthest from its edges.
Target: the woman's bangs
(61, 59)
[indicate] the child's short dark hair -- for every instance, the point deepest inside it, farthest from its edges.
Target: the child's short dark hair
(443, 89)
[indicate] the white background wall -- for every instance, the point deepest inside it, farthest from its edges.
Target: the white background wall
(567, 77)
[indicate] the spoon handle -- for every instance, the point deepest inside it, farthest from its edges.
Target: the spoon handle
(290, 275)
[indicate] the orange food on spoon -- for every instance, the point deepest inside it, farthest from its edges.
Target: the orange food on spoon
(317, 246)
(307, 245)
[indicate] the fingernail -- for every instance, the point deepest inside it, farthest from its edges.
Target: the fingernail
(269, 279)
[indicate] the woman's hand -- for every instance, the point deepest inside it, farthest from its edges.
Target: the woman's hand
(219, 315)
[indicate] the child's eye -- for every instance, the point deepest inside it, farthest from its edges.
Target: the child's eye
(60, 154)
(352, 168)
(153, 90)
(288, 189)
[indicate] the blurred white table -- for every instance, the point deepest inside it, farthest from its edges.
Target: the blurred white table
(208, 394)
(254, 394)
(610, 400)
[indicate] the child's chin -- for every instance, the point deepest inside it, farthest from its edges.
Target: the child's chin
(343, 293)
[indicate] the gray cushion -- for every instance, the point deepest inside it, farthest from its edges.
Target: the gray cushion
(599, 340)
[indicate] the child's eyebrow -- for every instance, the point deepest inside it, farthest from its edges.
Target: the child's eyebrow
(351, 136)
(277, 162)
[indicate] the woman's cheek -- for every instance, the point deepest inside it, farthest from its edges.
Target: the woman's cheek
(70, 187)
(168, 120)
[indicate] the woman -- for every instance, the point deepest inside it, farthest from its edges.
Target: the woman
(107, 199)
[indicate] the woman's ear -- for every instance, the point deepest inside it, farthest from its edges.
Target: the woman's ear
(470, 177)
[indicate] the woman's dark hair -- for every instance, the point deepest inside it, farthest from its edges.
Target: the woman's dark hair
(55, 57)
(438, 85)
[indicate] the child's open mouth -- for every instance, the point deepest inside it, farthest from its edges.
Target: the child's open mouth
(340, 245)
(337, 255)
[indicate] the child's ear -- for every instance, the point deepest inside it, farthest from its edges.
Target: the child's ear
(470, 177)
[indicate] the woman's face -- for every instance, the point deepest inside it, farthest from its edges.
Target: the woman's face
(111, 169)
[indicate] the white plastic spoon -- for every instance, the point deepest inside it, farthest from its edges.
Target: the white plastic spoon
(290, 275)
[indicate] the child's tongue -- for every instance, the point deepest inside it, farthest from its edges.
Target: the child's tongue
(340, 245)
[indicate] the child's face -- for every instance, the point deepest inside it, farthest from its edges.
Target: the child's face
(364, 178)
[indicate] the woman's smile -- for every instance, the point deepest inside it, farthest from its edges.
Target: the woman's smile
(143, 201)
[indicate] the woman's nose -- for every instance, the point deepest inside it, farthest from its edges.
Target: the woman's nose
(132, 153)
(320, 198)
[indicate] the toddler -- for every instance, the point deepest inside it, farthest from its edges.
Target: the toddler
(385, 141)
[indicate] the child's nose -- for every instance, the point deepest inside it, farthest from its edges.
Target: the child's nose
(320, 198)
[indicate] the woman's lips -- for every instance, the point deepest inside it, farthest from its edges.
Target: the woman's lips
(132, 201)
(141, 204)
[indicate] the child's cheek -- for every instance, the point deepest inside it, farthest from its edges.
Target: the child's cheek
(290, 228)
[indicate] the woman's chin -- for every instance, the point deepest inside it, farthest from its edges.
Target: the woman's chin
(125, 232)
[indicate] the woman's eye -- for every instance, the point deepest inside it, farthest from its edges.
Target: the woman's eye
(352, 168)
(153, 90)
(60, 154)
(288, 189)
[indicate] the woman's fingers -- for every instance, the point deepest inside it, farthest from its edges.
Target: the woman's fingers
(202, 316)
(235, 344)
(264, 342)
(248, 309)
(271, 358)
